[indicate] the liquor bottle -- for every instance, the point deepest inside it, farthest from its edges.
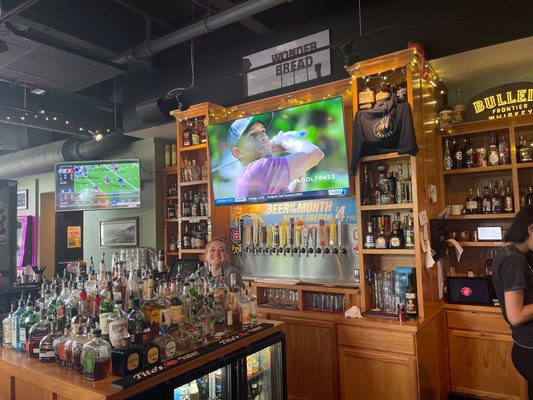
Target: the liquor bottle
(235, 309)
(196, 171)
(46, 345)
(504, 150)
(167, 155)
(203, 131)
(381, 239)
(186, 135)
(508, 202)
(136, 323)
(106, 308)
(445, 113)
(409, 231)
(186, 242)
(165, 342)
(400, 186)
(471, 202)
(526, 152)
(529, 198)
(173, 155)
(117, 324)
(519, 149)
(468, 153)
(457, 155)
(495, 200)
(494, 154)
(184, 340)
(207, 318)
(59, 346)
(391, 188)
(448, 160)
(479, 201)
(96, 358)
(150, 352)
(366, 187)
(126, 358)
(409, 185)
(195, 134)
(150, 308)
(7, 328)
(369, 242)
(396, 240)
(36, 333)
(253, 305)
(410, 297)
(219, 314)
(486, 201)
(77, 346)
(132, 287)
(26, 321)
(367, 98)
(16, 319)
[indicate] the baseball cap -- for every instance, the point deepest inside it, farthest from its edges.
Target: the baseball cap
(241, 125)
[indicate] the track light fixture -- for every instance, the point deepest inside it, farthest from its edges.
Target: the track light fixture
(349, 57)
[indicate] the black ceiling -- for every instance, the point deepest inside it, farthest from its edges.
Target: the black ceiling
(113, 26)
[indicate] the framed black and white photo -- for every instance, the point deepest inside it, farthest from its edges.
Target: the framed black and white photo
(119, 232)
(22, 199)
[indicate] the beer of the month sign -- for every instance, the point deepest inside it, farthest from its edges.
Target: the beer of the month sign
(287, 64)
(510, 100)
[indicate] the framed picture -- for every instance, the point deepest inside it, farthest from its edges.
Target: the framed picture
(119, 232)
(22, 199)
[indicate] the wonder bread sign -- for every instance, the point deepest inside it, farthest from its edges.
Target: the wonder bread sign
(503, 101)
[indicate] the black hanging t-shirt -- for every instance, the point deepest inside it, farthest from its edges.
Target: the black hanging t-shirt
(385, 128)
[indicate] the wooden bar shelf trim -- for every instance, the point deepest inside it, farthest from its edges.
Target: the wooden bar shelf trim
(33, 379)
(462, 171)
(381, 157)
(486, 126)
(481, 244)
(388, 251)
(524, 165)
(195, 147)
(483, 216)
(192, 251)
(376, 207)
(193, 183)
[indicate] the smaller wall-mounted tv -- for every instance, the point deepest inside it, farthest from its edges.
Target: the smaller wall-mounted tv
(98, 185)
(297, 153)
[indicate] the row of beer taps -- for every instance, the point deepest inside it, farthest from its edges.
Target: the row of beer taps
(292, 237)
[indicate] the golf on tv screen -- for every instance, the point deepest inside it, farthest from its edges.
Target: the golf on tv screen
(296, 153)
(98, 185)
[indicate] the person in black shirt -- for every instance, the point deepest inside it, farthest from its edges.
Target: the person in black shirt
(513, 282)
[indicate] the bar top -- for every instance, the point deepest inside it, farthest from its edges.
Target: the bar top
(19, 372)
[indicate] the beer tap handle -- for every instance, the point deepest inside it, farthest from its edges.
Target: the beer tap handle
(248, 238)
(291, 236)
(305, 240)
(322, 232)
(283, 235)
(240, 226)
(332, 236)
(255, 234)
(299, 226)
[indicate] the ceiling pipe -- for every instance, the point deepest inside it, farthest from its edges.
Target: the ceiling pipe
(16, 10)
(41, 159)
(147, 49)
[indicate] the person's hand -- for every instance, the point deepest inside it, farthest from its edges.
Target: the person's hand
(290, 142)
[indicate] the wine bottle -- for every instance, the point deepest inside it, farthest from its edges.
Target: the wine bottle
(457, 155)
(448, 161)
(468, 154)
(410, 297)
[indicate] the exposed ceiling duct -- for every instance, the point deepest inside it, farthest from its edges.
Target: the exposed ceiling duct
(41, 159)
(147, 49)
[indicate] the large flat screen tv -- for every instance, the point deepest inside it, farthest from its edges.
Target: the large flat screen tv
(98, 185)
(296, 153)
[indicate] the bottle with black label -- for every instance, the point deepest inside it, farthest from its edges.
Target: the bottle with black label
(457, 155)
(367, 187)
(411, 309)
(448, 160)
(468, 154)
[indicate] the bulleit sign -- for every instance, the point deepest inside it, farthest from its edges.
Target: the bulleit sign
(503, 101)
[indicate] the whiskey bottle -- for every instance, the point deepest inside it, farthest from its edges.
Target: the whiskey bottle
(36, 333)
(366, 187)
(479, 201)
(400, 186)
(409, 185)
(519, 149)
(126, 359)
(526, 152)
(165, 342)
(186, 135)
(150, 352)
(106, 308)
(369, 242)
(508, 202)
(493, 153)
(457, 155)
(203, 131)
(367, 98)
(195, 134)
(409, 231)
(445, 114)
(396, 240)
(448, 161)
(184, 340)
(77, 346)
(46, 345)
(468, 151)
(381, 239)
(504, 150)
(117, 324)
(410, 297)
(486, 201)
(496, 200)
(471, 202)
(96, 358)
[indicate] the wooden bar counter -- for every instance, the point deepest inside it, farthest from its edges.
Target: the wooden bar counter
(24, 378)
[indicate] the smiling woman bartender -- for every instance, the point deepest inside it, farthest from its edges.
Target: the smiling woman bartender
(217, 256)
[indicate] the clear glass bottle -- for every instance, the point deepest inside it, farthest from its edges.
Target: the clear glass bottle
(96, 358)
(83, 318)
(166, 343)
(381, 239)
(184, 340)
(106, 308)
(253, 305)
(16, 319)
(409, 231)
(196, 171)
(493, 153)
(400, 186)
(244, 309)
(136, 323)
(78, 342)
(369, 242)
(504, 150)
(117, 324)
(396, 240)
(7, 328)
(59, 346)
(219, 318)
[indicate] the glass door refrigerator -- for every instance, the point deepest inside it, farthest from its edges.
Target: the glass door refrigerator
(256, 372)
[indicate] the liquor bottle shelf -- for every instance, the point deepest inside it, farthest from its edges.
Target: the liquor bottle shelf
(506, 167)
(381, 157)
(524, 165)
(381, 207)
(201, 146)
(388, 251)
(483, 216)
(194, 219)
(481, 244)
(193, 183)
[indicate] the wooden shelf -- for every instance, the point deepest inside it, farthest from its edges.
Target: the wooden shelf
(380, 157)
(476, 170)
(400, 206)
(483, 216)
(194, 219)
(170, 170)
(192, 251)
(481, 244)
(524, 165)
(171, 220)
(172, 197)
(194, 183)
(388, 251)
(201, 146)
